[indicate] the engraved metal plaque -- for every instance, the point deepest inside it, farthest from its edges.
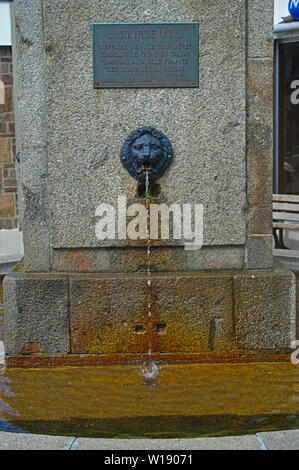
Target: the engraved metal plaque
(138, 55)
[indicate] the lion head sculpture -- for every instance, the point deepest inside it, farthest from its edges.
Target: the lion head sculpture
(146, 150)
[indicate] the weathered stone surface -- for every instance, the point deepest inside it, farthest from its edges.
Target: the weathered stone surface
(281, 440)
(259, 252)
(214, 130)
(166, 259)
(36, 317)
(188, 313)
(211, 443)
(30, 71)
(260, 28)
(265, 314)
(29, 65)
(209, 128)
(64, 126)
(16, 441)
(35, 212)
(260, 146)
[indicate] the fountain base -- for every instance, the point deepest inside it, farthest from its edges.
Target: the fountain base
(55, 319)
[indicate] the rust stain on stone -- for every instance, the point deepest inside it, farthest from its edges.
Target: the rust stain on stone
(111, 316)
(30, 348)
(256, 81)
(259, 191)
(76, 261)
(170, 358)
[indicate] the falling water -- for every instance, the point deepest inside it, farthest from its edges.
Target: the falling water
(151, 370)
(148, 245)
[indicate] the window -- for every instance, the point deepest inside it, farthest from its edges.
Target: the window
(287, 163)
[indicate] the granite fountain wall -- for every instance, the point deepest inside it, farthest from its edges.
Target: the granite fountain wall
(80, 299)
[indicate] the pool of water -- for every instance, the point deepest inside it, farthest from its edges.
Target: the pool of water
(187, 400)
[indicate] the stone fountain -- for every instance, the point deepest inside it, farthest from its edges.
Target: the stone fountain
(88, 74)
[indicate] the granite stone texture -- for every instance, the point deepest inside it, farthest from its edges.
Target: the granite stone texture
(72, 125)
(21, 441)
(259, 132)
(260, 251)
(211, 443)
(70, 135)
(260, 145)
(215, 314)
(135, 260)
(194, 313)
(187, 313)
(206, 125)
(265, 311)
(281, 440)
(278, 440)
(260, 28)
(29, 70)
(36, 318)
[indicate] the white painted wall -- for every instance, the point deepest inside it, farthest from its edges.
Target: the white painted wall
(280, 9)
(11, 245)
(5, 31)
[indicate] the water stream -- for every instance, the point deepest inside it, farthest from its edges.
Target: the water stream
(150, 370)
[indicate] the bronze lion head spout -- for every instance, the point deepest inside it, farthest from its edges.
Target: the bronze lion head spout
(146, 150)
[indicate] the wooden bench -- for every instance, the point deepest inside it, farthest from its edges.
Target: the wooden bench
(285, 216)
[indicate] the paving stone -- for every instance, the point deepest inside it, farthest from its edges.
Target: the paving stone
(281, 440)
(36, 314)
(211, 443)
(12, 441)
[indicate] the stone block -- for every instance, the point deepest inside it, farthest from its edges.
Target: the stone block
(36, 317)
(216, 315)
(35, 218)
(260, 28)
(29, 56)
(189, 313)
(260, 146)
(211, 443)
(29, 62)
(265, 312)
(134, 260)
(260, 252)
(21, 441)
(281, 440)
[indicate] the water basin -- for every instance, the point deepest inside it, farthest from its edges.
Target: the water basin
(186, 400)
(149, 401)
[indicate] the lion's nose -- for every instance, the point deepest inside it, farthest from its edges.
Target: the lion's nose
(146, 152)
